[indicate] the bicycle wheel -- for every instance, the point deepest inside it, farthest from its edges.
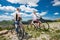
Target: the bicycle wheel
(20, 33)
(44, 26)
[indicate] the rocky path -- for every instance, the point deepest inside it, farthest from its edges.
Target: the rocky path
(10, 36)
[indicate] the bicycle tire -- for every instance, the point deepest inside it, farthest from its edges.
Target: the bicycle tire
(44, 26)
(20, 34)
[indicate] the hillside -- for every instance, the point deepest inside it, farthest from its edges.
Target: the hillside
(27, 22)
(52, 34)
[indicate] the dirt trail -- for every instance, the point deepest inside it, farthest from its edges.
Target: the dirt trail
(10, 36)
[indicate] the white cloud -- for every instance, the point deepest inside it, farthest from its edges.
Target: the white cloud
(13, 1)
(25, 15)
(47, 18)
(0, 5)
(27, 9)
(24, 2)
(12, 14)
(56, 13)
(22, 14)
(29, 15)
(32, 4)
(56, 3)
(6, 13)
(5, 17)
(12, 9)
(43, 13)
(7, 8)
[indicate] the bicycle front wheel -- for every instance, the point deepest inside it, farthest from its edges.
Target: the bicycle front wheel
(45, 26)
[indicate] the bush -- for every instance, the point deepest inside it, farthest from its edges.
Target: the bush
(1, 29)
(55, 37)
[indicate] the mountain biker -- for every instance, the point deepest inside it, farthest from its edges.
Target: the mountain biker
(17, 19)
(35, 18)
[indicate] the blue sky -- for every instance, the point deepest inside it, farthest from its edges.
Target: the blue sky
(49, 9)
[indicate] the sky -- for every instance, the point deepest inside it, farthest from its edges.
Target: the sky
(48, 9)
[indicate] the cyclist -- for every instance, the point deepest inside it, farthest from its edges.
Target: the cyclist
(35, 19)
(17, 19)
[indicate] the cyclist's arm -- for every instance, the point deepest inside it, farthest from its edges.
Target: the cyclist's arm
(39, 16)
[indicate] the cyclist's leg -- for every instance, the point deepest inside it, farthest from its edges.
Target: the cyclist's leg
(35, 24)
(39, 23)
(16, 28)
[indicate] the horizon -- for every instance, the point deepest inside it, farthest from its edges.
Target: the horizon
(30, 19)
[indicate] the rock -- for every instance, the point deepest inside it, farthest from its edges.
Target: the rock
(3, 32)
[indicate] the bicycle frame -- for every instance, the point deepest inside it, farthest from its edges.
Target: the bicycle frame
(36, 25)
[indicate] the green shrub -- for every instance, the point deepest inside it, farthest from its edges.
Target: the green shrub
(55, 37)
(57, 31)
(43, 38)
(1, 29)
(2, 38)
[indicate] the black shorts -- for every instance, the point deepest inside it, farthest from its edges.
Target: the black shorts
(36, 21)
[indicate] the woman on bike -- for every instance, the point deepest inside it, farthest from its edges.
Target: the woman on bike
(35, 19)
(17, 19)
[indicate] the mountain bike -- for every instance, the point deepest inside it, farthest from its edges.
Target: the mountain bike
(20, 33)
(43, 24)
(20, 29)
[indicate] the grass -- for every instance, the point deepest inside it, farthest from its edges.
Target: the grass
(55, 37)
(6, 28)
(1, 29)
(54, 34)
(43, 39)
(33, 32)
(57, 31)
(2, 38)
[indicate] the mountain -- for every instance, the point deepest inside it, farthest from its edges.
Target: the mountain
(4, 22)
(45, 20)
(57, 20)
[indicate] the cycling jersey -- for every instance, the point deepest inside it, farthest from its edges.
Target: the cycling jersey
(35, 17)
(17, 22)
